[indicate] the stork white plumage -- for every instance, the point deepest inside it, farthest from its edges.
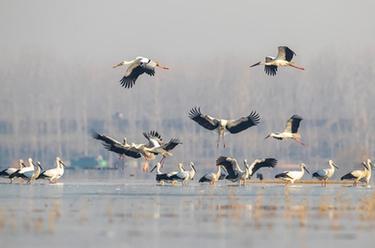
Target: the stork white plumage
(184, 176)
(284, 58)
(292, 176)
(161, 177)
(360, 175)
(169, 177)
(53, 174)
(137, 67)
(291, 130)
(25, 173)
(192, 171)
(367, 177)
(149, 151)
(223, 125)
(260, 163)
(325, 174)
(37, 171)
(9, 171)
(235, 173)
(213, 177)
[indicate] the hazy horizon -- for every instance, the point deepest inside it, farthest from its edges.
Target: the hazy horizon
(57, 56)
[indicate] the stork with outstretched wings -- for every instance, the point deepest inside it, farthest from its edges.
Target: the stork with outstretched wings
(222, 125)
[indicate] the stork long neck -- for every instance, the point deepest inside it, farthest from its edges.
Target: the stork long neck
(238, 167)
(251, 167)
(31, 164)
(158, 169)
(332, 168)
(218, 172)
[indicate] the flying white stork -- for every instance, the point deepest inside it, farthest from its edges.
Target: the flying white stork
(291, 130)
(9, 171)
(292, 176)
(149, 151)
(325, 174)
(222, 125)
(360, 175)
(284, 58)
(137, 67)
(53, 174)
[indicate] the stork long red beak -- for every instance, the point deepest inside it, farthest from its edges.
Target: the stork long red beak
(297, 67)
(163, 67)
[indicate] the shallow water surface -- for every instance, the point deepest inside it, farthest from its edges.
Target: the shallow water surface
(111, 211)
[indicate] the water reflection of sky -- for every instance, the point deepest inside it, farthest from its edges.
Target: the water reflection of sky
(139, 213)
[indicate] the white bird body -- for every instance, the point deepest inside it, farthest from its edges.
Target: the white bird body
(27, 172)
(290, 131)
(54, 174)
(360, 175)
(183, 175)
(368, 170)
(292, 176)
(325, 174)
(222, 125)
(284, 58)
(137, 67)
(211, 177)
(11, 171)
(192, 171)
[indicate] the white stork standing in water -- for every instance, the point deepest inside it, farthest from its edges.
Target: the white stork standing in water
(184, 176)
(292, 176)
(325, 174)
(137, 67)
(360, 175)
(222, 125)
(25, 173)
(291, 130)
(162, 177)
(9, 171)
(368, 171)
(284, 58)
(53, 174)
(213, 177)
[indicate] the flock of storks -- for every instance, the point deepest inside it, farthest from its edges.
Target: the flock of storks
(227, 167)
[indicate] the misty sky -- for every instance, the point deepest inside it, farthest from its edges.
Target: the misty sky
(173, 30)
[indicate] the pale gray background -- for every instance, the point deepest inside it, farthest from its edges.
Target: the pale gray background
(57, 82)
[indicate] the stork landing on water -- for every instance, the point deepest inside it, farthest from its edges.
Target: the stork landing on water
(149, 151)
(222, 125)
(291, 130)
(137, 67)
(284, 58)
(235, 173)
